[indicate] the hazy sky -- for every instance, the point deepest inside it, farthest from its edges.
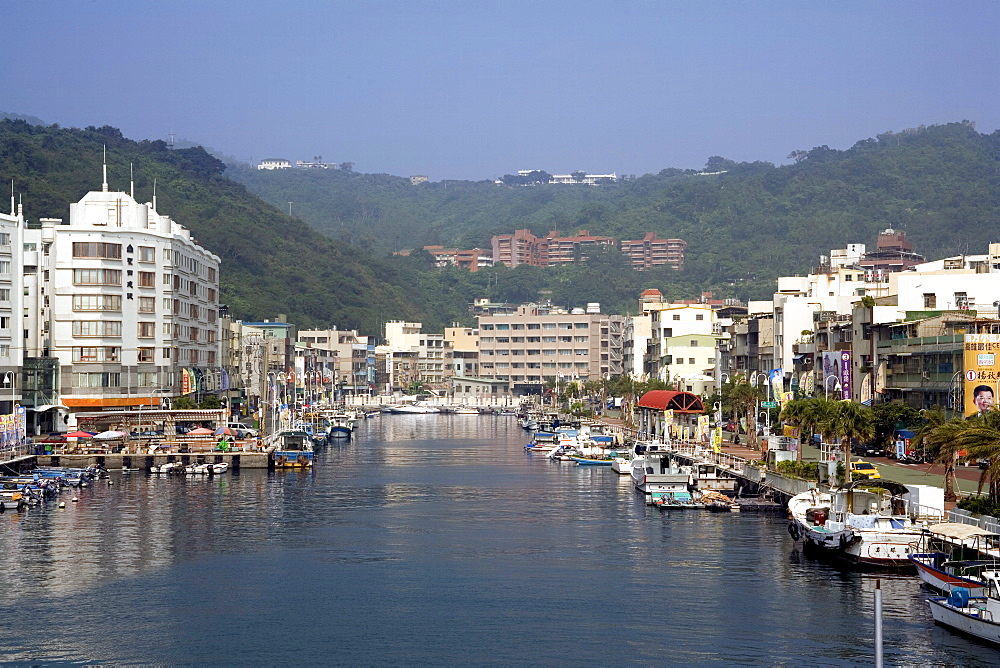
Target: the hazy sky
(474, 90)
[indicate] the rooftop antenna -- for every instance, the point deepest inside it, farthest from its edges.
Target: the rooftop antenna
(131, 181)
(104, 186)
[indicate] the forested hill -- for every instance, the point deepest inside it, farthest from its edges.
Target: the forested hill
(751, 223)
(272, 263)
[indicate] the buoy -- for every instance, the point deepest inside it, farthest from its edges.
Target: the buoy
(110, 483)
(74, 499)
(62, 504)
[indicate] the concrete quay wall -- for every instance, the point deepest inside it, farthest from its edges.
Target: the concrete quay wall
(117, 461)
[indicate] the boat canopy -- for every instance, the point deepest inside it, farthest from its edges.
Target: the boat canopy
(679, 402)
(894, 488)
(958, 531)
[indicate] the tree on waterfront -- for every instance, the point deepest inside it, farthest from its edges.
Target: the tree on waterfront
(979, 437)
(849, 421)
(744, 399)
(809, 415)
(937, 437)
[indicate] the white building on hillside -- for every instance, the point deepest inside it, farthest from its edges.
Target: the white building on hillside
(11, 318)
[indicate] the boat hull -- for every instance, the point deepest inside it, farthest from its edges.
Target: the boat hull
(965, 620)
(940, 579)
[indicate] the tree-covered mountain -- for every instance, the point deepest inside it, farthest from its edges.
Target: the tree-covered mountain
(271, 263)
(745, 223)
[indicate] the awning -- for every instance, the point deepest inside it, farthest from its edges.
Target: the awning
(46, 407)
(958, 531)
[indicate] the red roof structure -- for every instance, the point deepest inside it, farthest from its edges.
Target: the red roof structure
(679, 402)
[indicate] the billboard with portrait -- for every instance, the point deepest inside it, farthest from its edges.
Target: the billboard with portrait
(982, 372)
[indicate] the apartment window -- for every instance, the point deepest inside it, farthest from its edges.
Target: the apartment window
(565, 339)
(167, 281)
(97, 277)
(211, 273)
(677, 316)
(97, 328)
(211, 294)
(147, 279)
(930, 300)
(4, 294)
(4, 239)
(534, 325)
(147, 304)
(168, 330)
(503, 327)
(565, 325)
(503, 339)
(694, 343)
(165, 353)
(517, 339)
(193, 311)
(549, 339)
(582, 325)
(487, 327)
(84, 354)
(581, 339)
(96, 249)
(534, 339)
(565, 365)
(147, 330)
(210, 357)
(97, 380)
(548, 325)
(4, 350)
(148, 379)
(97, 303)
(4, 266)
(532, 351)
(193, 356)
(691, 361)
(194, 333)
(699, 316)
(518, 326)
(147, 254)
(145, 355)
(564, 352)
(486, 339)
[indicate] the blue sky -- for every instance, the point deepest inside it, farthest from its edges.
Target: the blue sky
(473, 90)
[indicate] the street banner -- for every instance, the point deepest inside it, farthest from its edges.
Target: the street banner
(777, 377)
(717, 438)
(982, 372)
(866, 390)
(831, 367)
(845, 374)
(880, 378)
(703, 427)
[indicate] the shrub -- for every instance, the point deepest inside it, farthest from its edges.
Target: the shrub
(980, 505)
(803, 470)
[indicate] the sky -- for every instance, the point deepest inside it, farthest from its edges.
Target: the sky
(477, 89)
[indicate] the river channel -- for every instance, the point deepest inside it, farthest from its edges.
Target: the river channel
(431, 540)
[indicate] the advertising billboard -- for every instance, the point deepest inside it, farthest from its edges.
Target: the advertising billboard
(982, 372)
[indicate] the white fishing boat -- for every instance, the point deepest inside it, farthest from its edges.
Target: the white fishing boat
(622, 465)
(167, 468)
(977, 616)
(658, 476)
(870, 523)
(341, 425)
(952, 555)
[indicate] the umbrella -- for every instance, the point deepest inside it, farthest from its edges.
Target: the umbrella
(200, 431)
(109, 434)
(80, 434)
(225, 431)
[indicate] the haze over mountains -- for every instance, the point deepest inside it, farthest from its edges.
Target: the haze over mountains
(330, 263)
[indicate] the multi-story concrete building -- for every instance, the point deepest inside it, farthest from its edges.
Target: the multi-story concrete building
(13, 320)
(355, 368)
(473, 259)
(123, 302)
(539, 344)
(413, 355)
(650, 252)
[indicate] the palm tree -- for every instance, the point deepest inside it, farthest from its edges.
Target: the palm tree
(851, 421)
(744, 399)
(980, 438)
(935, 437)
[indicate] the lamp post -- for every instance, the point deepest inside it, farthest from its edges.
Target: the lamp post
(826, 385)
(8, 379)
(767, 421)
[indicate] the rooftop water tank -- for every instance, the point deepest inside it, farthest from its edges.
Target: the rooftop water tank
(593, 307)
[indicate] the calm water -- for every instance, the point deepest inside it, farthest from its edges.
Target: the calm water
(432, 540)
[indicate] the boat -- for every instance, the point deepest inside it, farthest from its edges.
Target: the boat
(656, 474)
(465, 410)
(977, 616)
(584, 460)
(952, 555)
(167, 468)
(11, 500)
(206, 468)
(341, 425)
(294, 450)
(622, 465)
(866, 523)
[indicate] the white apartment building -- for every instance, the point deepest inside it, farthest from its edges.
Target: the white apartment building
(127, 303)
(414, 355)
(274, 163)
(682, 346)
(355, 356)
(12, 318)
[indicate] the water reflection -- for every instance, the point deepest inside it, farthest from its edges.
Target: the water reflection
(433, 539)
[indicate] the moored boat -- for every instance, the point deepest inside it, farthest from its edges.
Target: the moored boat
(294, 450)
(870, 523)
(977, 616)
(952, 555)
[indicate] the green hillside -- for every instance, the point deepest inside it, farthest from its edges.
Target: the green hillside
(746, 226)
(272, 263)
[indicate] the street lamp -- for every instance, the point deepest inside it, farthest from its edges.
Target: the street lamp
(767, 421)
(8, 379)
(826, 385)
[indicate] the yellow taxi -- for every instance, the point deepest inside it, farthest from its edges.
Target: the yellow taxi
(866, 469)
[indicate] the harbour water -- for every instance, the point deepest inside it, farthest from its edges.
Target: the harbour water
(433, 539)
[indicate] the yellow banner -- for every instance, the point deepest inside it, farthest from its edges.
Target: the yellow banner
(982, 372)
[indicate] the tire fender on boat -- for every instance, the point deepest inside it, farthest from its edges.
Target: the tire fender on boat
(793, 530)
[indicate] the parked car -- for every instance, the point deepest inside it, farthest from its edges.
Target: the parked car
(248, 432)
(866, 469)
